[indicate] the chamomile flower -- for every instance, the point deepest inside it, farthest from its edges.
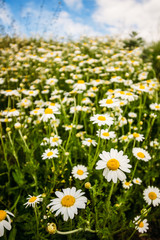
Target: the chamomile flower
(141, 154)
(141, 225)
(105, 134)
(114, 164)
(68, 202)
(155, 106)
(55, 141)
(33, 200)
(88, 142)
(79, 172)
(49, 113)
(4, 216)
(152, 196)
(109, 102)
(102, 119)
(137, 181)
(50, 153)
(137, 136)
(126, 184)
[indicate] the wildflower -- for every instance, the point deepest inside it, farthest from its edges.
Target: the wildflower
(33, 200)
(80, 85)
(105, 134)
(132, 114)
(114, 164)
(50, 153)
(141, 154)
(137, 136)
(102, 119)
(49, 114)
(126, 184)
(155, 106)
(3, 222)
(79, 172)
(152, 196)
(55, 141)
(137, 181)
(68, 202)
(88, 142)
(141, 225)
(13, 113)
(109, 102)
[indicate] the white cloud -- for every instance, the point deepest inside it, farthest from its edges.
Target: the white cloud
(74, 4)
(123, 16)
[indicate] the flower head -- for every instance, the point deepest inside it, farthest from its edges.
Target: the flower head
(33, 200)
(80, 172)
(141, 154)
(5, 221)
(152, 196)
(114, 164)
(50, 153)
(68, 202)
(102, 119)
(141, 225)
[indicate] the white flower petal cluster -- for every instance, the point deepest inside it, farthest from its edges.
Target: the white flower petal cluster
(114, 164)
(68, 202)
(152, 196)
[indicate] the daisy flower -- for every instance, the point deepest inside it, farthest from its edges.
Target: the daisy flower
(152, 196)
(109, 102)
(105, 134)
(114, 164)
(88, 142)
(4, 216)
(126, 184)
(137, 181)
(80, 85)
(155, 106)
(50, 153)
(13, 113)
(68, 202)
(33, 200)
(55, 141)
(102, 119)
(137, 136)
(141, 225)
(141, 154)
(79, 172)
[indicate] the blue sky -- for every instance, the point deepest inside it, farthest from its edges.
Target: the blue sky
(73, 18)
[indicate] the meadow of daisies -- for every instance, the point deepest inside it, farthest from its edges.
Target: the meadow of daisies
(79, 153)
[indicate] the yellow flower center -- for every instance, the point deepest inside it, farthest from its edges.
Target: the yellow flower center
(157, 106)
(142, 87)
(101, 118)
(80, 81)
(3, 215)
(135, 135)
(124, 137)
(113, 164)
(52, 104)
(30, 92)
(140, 155)
(49, 154)
(55, 139)
(152, 195)
(121, 92)
(68, 201)
(127, 183)
(13, 110)
(129, 94)
(109, 101)
(105, 134)
(48, 111)
(89, 140)
(8, 90)
(80, 172)
(141, 224)
(32, 199)
(111, 90)
(137, 181)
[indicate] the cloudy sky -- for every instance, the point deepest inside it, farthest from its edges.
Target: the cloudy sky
(73, 18)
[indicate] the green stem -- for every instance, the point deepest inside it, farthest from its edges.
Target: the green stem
(14, 152)
(134, 169)
(20, 133)
(97, 151)
(76, 230)
(37, 223)
(109, 197)
(132, 234)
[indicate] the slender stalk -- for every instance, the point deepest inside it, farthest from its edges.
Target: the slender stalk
(132, 234)
(109, 196)
(20, 133)
(37, 223)
(14, 152)
(76, 230)
(134, 169)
